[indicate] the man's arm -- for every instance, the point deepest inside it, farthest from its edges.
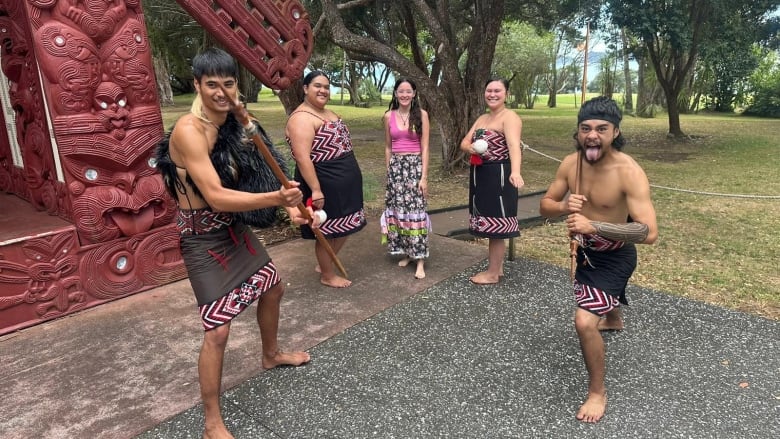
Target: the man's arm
(640, 205)
(631, 232)
(190, 142)
(552, 204)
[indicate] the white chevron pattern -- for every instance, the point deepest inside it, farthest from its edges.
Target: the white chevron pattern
(593, 299)
(331, 141)
(227, 307)
(493, 225)
(343, 224)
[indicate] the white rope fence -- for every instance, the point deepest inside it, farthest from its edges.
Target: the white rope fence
(657, 186)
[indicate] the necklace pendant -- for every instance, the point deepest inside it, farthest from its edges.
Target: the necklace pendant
(405, 119)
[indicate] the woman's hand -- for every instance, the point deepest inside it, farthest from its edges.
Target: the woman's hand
(516, 180)
(422, 185)
(317, 199)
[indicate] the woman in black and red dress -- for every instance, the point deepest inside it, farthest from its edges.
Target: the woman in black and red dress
(327, 170)
(494, 178)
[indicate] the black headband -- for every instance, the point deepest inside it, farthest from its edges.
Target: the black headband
(592, 113)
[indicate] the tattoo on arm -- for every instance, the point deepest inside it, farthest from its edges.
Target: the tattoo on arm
(631, 232)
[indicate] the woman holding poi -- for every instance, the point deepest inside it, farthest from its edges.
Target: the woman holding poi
(328, 172)
(494, 178)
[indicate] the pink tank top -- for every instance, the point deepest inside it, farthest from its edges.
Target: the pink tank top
(402, 141)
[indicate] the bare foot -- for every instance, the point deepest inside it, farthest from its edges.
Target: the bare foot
(404, 262)
(484, 278)
(317, 269)
(593, 408)
(286, 359)
(217, 432)
(420, 273)
(335, 281)
(607, 324)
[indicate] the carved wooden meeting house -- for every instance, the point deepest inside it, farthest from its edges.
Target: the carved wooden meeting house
(84, 216)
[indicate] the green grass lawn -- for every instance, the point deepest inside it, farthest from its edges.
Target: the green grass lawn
(718, 249)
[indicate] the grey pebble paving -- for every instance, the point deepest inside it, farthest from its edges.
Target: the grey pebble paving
(466, 361)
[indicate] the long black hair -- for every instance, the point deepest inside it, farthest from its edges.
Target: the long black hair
(415, 112)
(314, 74)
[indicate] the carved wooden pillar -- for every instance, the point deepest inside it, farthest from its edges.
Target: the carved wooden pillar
(97, 72)
(88, 66)
(82, 119)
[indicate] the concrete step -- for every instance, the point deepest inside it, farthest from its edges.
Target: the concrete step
(453, 222)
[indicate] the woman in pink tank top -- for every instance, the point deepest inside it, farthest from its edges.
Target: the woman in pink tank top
(405, 222)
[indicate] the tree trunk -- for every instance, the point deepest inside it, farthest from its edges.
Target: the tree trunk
(692, 95)
(696, 102)
(163, 81)
(642, 98)
(453, 126)
(628, 103)
(454, 123)
(384, 77)
(248, 85)
(674, 115)
(292, 96)
(353, 84)
(552, 98)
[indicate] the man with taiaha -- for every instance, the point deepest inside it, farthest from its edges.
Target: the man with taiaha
(608, 211)
(205, 163)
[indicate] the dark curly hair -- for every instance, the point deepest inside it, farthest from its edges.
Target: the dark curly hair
(603, 108)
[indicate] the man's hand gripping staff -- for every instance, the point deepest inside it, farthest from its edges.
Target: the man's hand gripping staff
(251, 131)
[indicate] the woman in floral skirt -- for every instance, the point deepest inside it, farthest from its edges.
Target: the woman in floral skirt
(405, 222)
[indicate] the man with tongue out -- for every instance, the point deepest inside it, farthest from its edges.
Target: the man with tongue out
(608, 209)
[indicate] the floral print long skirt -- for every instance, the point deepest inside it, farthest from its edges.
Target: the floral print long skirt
(405, 222)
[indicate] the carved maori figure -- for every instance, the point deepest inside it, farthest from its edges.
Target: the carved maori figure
(96, 63)
(271, 38)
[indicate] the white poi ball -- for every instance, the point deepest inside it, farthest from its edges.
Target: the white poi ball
(321, 216)
(479, 146)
